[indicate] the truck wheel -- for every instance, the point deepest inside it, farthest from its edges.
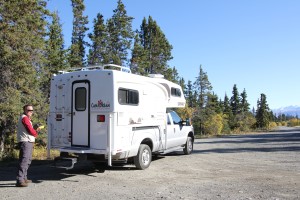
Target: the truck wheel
(143, 159)
(188, 148)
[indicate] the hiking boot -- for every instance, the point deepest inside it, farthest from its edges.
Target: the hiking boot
(28, 181)
(22, 184)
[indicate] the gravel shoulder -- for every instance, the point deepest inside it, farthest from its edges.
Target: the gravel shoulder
(254, 166)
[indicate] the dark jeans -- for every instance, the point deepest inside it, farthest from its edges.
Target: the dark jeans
(25, 158)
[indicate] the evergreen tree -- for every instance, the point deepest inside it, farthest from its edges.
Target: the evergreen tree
(213, 103)
(244, 119)
(139, 58)
(202, 90)
(244, 103)
(55, 54)
(156, 49)
(262, 113)
(182, 84)
(120, 32)
(98, 53)
(228, 116)
(202, 87)
(189, 95)
(226, 105)
(235, 101)
(171, 74)
(22, 25)
(77, 50)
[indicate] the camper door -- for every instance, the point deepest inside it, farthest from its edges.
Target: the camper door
(80, 113)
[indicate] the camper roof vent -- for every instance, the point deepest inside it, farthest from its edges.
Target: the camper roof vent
(117, 67)
(156, 76)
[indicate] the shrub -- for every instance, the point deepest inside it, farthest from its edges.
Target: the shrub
(272, 125)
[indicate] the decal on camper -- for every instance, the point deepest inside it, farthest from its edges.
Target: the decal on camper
(100, 104)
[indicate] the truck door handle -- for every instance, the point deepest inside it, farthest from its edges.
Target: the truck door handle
(174, 130)
(74, 113)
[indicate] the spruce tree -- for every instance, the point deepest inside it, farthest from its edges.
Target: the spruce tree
(227, 115)
(156, 49)
(244, 103)
(213, 103)
(202, 87)
(262, 113)
(120, 32)
(55, 53)
(235, 100)
(139, 58)
(226, 105)
(98, 53)
(202, 91)
(181, 82)
(171, 74)
(77, 49)
(22, 25)
(189, 94)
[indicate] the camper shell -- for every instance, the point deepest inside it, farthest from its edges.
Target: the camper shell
(106, 113)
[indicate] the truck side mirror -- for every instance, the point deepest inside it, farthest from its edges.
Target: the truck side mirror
(182, 123)
(187, 122)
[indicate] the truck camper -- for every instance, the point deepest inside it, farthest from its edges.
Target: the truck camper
(107, 114)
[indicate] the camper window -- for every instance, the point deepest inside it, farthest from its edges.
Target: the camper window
(80, 99)
(128, 97)
(175, 92)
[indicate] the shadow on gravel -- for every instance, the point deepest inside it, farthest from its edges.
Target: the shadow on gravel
(41, 170)
(280, 140)
(257, 138)
(44, 170)
(239, 150)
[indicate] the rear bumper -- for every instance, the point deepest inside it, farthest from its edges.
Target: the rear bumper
(80, 150)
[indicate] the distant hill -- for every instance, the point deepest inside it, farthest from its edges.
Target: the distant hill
(288, 111)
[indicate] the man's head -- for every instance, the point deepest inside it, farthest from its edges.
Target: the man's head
(28, 110)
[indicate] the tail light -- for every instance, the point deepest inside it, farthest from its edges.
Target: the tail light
(100, 118)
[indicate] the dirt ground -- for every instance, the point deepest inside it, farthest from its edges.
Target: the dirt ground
(254, 166)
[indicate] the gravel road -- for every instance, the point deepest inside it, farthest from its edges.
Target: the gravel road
(254, 166)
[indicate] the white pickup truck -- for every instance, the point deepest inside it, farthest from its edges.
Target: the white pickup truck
(105, 113)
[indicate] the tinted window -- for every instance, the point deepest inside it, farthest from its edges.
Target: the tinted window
(128, 97)
(176, 92)
(80, 99)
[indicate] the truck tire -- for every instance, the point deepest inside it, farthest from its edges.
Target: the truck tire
(143, 159)
(188, 148)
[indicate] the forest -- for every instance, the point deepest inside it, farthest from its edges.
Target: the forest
(32, 50)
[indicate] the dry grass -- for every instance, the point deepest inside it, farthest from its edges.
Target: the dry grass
(40, 153)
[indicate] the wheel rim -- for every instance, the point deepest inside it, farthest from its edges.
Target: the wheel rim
(190, 145)
(145, 157)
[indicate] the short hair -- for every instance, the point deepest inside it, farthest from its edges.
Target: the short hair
(24, 107)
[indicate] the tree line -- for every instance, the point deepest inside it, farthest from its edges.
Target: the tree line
(32, 49)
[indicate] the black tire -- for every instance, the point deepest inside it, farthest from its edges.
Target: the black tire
(144, 157)
(188, 148)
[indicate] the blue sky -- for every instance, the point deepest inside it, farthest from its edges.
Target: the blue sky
(254, 44)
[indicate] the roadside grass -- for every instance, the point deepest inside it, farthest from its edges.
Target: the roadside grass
(39, 153)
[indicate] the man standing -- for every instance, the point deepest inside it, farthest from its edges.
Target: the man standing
(26, 137)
